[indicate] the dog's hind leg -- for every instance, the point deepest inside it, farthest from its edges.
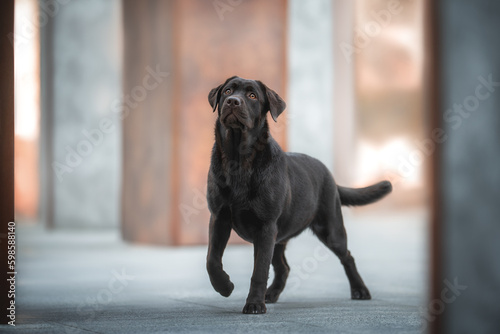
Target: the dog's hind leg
(281, 270)
(329, 228)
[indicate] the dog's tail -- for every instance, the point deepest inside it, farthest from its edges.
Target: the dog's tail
(363, 196)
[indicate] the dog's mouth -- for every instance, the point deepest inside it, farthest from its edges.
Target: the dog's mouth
(230, 118)
(233, 119)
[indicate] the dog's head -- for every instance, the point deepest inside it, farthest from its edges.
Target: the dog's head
(244, 104)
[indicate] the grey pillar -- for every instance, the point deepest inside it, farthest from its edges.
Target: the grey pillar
(310, 90)
(84, 90)
(470, 164)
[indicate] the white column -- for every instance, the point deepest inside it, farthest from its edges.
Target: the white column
(86, 144)
(311, 89)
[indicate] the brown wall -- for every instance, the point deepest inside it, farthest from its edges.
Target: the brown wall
(147, 124)
(6, 145)
(164, 198)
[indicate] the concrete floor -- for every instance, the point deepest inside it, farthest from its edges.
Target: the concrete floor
(90, 281)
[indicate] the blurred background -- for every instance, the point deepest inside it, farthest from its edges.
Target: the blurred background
(113, 129)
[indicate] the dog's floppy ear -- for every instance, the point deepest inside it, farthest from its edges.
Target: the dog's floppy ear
(276, 103)
(214, 95)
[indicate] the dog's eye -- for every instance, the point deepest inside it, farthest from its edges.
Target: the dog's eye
(228, 91)
(252, 96)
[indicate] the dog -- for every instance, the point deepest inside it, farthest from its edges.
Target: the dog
(268, 196)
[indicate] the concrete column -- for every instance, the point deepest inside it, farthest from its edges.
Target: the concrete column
(84, 157)
(344, 116)
(310, 73)
(469, 178)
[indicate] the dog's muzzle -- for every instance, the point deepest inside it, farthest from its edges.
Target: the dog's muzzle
(232, 114)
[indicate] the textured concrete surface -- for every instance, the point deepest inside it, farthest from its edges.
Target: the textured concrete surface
(86, 92)
(470, 162)
(73, 282)
(309, 101)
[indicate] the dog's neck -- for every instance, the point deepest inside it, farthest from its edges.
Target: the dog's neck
(239, 148)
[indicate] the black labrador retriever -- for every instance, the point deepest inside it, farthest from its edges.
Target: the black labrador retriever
(268, 196)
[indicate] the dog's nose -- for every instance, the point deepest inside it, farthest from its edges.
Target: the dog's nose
(233, 100)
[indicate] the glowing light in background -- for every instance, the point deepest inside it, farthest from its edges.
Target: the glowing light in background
(390, 111)
(27, 108)
(26, 67)
(388, 160)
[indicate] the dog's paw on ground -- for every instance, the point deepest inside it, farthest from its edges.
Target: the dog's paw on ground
(254, 308)
(360, 294)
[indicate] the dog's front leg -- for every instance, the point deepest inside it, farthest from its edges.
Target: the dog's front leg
(263, 254)
(219, 231)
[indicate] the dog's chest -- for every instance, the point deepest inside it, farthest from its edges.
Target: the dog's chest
(245, 222)
(240, 189)
(243, 201)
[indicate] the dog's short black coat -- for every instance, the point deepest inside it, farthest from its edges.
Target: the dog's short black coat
(268, 196)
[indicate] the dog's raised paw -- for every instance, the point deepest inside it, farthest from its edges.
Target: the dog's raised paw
(226, 289)
(360, 294)
(221, 283)
(272, 296)
(254, 308)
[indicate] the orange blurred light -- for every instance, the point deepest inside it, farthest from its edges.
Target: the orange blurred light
(27, 109)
